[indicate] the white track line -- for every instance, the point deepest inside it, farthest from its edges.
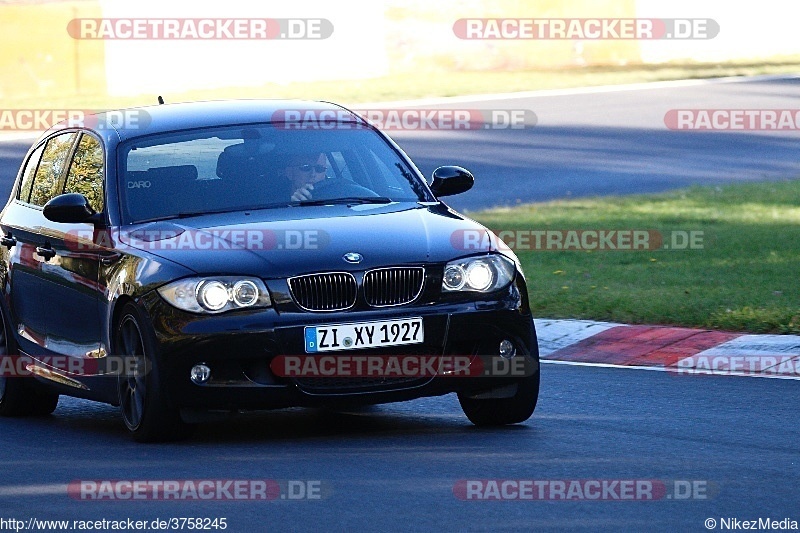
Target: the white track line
(672, 370)
(32, 490)
(443, 100)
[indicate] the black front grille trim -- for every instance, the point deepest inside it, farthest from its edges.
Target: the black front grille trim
(324, 292)
(393, 286)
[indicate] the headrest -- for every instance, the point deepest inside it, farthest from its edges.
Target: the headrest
(176, 173)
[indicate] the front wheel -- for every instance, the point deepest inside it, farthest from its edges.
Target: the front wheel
(145, 410)
(20, 396)
(502, 411)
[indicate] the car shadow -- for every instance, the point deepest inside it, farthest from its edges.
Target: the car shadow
(76, 419)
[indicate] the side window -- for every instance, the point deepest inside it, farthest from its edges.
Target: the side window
(86, 172)
(51, 168)
(28, 173)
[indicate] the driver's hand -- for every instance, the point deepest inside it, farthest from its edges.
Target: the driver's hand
(303, 193)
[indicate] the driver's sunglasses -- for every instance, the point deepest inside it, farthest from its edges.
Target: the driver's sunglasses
(319, 169)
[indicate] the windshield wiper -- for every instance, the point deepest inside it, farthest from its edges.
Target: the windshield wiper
(189, 214)
(347, 200)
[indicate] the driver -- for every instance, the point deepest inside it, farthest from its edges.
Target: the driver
(303, 171)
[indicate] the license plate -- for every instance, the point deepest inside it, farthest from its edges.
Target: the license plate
(361, 335)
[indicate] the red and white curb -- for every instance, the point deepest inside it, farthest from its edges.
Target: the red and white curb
(676, 350)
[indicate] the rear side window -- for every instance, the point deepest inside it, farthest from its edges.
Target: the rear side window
(51, 168)
(29, 173)
(86, 172)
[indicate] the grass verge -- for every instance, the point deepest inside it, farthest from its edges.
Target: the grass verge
(744, 277)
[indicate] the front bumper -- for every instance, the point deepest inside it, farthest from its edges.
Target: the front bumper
(239, 347)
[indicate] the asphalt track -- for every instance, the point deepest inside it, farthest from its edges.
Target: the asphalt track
(403, 466)
(616, 142)
(394, 467)
(592, 142)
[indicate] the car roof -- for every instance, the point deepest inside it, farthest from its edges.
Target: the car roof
(139, 121)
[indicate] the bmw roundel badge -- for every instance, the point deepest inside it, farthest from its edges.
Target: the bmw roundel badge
(353, 257)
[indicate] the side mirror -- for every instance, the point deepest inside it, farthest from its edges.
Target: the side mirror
(451, 180)
(69, 208)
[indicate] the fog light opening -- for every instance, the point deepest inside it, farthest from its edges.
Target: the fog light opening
(507, 349)
(200, 374)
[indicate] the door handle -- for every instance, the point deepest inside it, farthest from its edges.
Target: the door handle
(8, 241)
(46, 253)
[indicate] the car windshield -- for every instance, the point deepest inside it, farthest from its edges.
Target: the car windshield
(225, 169)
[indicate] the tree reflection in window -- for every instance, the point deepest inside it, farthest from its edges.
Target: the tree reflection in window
(86, 173)
(30, 172)
(51, 168)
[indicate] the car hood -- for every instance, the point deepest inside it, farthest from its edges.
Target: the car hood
(279, 243)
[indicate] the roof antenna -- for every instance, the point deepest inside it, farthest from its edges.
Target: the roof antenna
(160, 100)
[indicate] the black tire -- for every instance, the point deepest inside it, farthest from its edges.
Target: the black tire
(503, 411)
(21, 396)
(145, 409)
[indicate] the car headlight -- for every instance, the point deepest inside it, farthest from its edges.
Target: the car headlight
(479, 274)
(216, 294)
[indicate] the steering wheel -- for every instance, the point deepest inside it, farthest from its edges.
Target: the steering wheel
(332, 188)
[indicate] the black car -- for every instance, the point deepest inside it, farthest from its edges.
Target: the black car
(180, 266)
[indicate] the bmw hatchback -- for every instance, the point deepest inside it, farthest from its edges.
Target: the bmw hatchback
(191, 260)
